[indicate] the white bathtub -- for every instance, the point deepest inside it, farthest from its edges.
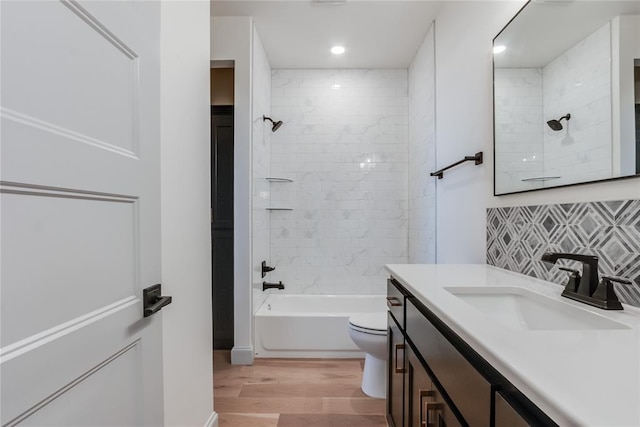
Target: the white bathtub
(310, 325)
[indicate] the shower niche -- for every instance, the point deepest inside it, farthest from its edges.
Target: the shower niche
(278, 206)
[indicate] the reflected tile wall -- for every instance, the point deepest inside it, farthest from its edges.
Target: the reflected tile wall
(518, 128)
(579, 82)
(344, 144)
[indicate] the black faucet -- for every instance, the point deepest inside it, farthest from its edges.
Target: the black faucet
(586, 289)
(267, 285)
(586, 285)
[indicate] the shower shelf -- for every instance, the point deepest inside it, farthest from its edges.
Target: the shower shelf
(274, 179)
(541, 178)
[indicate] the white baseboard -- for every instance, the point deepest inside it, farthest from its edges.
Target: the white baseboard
(213, 420)
(242, 355)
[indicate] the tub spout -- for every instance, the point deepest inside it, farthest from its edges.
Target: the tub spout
(267, 285)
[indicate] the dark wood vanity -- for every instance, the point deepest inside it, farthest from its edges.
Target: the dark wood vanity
(436, 379)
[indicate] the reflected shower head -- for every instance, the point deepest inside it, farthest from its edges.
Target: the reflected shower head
(275, 125)
(555, 124)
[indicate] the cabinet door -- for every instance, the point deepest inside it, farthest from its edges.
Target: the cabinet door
(426, 406)
(395, 383)
(506, 415)
(463, 384)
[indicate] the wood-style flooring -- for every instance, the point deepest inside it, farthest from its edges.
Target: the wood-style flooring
(293, 393)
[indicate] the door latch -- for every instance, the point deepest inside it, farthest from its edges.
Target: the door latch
(153, 301)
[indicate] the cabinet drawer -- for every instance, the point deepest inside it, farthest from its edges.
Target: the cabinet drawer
(396, 301)
(466, 387)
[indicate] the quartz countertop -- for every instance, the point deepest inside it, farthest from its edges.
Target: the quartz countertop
(580, 377)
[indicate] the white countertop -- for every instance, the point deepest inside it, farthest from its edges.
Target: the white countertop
(577, 377)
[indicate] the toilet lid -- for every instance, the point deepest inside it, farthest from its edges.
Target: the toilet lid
(372, 323)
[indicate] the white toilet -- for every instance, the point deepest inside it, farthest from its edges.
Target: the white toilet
(369, 332)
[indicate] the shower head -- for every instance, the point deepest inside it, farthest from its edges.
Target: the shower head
(275, 125)
(555, 124)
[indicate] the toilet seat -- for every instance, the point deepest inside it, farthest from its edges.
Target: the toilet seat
(369, 323)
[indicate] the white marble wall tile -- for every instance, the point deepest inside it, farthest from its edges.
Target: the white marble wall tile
(344, 142)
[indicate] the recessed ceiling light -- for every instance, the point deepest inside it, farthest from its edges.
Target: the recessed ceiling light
(499, 48)
(337, 50)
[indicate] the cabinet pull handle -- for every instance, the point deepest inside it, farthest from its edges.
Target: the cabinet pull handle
(393, 302)
(426, 393)
(424, 415)
(431, 406)
(399, 370)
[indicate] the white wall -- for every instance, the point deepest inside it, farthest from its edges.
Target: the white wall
(261, 146)
(344, 143)
(422, 153)
(231, 39)
(464, 122)
(464, 32)
(186, 236)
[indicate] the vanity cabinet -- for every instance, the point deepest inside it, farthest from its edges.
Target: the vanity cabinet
(444, 381)
(470, 391)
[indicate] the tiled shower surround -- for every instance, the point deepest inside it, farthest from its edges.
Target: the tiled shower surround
(518, 236)
(344, 145)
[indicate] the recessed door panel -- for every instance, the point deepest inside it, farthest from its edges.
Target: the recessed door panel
(111, 391)
(81, 257)
(83, 81)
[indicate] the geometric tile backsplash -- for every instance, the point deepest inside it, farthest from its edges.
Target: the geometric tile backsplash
(518, 236)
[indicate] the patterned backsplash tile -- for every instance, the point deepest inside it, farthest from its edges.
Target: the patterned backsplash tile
(518, 236)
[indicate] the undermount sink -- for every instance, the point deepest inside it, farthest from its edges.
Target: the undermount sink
(520, 309)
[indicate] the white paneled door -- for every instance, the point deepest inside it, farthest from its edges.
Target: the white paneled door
(80, 222)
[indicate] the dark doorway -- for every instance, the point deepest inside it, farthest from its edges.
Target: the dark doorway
(222, 224)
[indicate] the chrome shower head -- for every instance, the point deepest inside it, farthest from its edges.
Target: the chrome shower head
(555, 124)
(275, 125)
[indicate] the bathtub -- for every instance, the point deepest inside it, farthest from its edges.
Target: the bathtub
(311, 326)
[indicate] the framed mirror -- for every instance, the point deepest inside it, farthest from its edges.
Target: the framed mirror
(567, 95)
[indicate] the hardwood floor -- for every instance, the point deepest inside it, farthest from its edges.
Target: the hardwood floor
(293, 393)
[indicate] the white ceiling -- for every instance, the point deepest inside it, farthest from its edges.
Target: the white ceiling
(299, 34)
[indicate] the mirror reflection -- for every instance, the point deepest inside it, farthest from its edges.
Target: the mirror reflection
(567, 94)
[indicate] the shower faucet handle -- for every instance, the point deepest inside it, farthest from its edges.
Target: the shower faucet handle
(266, 268)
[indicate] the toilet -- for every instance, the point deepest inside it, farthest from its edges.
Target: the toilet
(369, 332)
